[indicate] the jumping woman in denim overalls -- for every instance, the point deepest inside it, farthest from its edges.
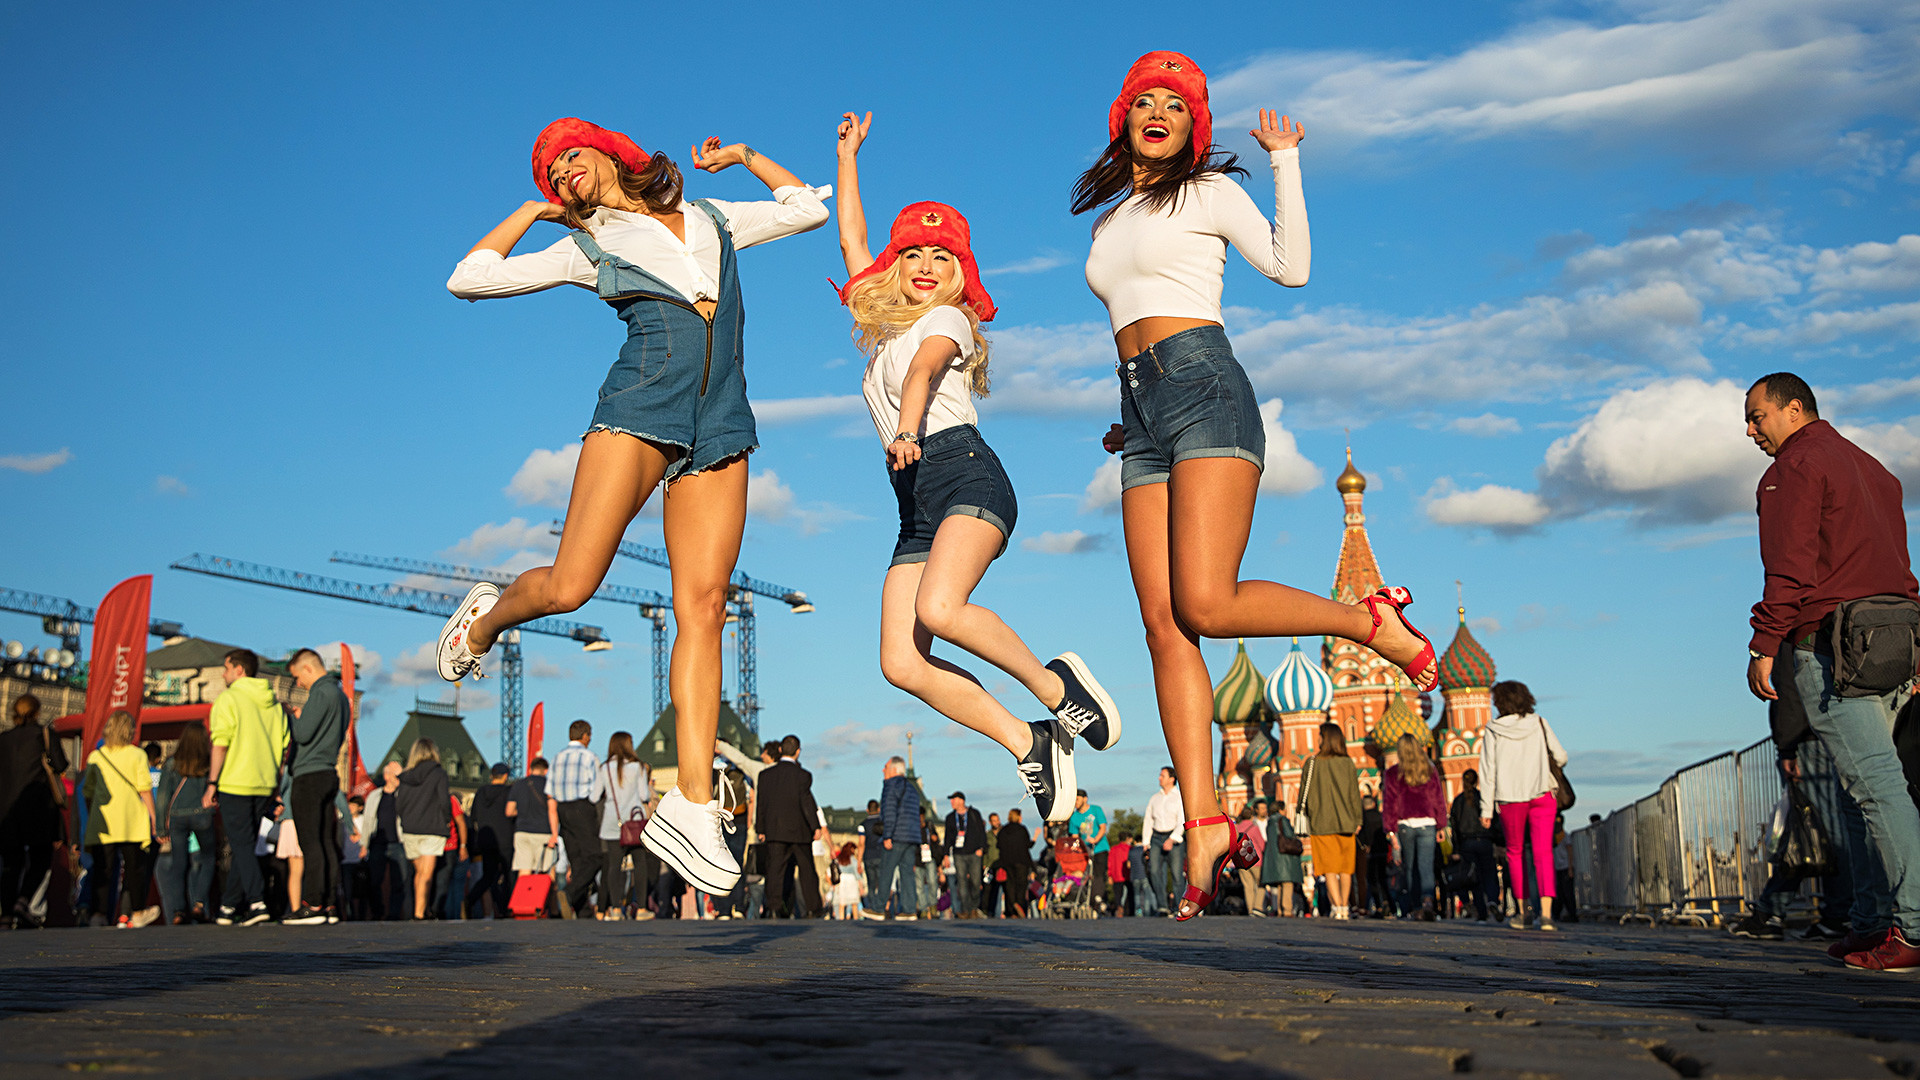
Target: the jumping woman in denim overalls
(1191, 434)
(673, 409)
(917, 311)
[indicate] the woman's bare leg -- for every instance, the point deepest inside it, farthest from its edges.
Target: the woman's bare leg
(1180, 681)
(907, 660)
(1210, 510)
(422, 881)
(611, 483)
(963, 548)
(703, 518)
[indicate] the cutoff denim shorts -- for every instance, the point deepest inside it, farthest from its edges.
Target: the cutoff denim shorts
(653, 392)
(1186, 397)
(958, 473)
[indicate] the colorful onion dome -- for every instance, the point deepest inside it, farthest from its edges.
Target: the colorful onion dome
(1465, 663)
(1260, 748)
(1400, 719)
(1299, 685)
(1237, 699)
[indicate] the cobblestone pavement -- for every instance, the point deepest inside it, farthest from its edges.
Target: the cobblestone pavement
(1230, 998)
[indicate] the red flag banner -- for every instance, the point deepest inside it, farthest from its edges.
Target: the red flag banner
(117, 672)
(536, 733)
(358, 782)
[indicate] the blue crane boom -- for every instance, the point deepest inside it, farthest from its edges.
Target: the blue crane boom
(63, 618)
(424, 601)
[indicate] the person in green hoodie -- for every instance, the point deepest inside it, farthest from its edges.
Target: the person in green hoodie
(318, 728)
(249, 743)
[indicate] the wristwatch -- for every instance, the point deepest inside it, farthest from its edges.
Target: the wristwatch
(1756, 655)
(908, 436)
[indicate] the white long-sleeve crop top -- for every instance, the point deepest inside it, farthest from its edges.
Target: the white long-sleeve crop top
(1171, 263)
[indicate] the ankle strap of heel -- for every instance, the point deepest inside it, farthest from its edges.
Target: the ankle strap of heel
(1196, 823)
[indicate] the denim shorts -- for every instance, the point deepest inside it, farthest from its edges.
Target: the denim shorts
(958, 473)
(1186, 397)
(665, 390)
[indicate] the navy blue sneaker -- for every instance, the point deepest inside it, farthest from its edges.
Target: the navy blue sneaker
(1087, 711)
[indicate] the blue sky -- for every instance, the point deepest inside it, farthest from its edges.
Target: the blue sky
(1553, 242)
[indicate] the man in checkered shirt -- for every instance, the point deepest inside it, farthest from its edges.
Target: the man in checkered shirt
(575, 783)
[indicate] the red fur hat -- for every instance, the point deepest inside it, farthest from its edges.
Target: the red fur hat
(1176, 72)
(932, 223)
(563, 135)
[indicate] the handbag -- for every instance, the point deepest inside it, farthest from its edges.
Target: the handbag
(46, 765)
(1876, 645)
(634, 823)
(1805, 851)
(1301, 826)
(1562, 789)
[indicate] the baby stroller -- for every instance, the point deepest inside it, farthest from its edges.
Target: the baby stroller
(1071, 890)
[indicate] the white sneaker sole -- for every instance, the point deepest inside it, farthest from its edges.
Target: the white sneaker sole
(1107, 707)
(1065, 780)
(678, 851)
(479, 600)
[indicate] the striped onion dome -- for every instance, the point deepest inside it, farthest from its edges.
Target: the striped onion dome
(1299, 685)
(1400, 719)
(1465, 663)
(1237, 699)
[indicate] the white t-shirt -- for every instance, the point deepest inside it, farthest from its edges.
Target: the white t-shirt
(951, 402)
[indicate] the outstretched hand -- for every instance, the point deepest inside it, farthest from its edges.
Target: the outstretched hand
(1115, 440)
(1277, 134)
(853, 132)
(713, 157)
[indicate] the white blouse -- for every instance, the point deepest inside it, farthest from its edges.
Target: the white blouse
(950, 400)
(1171, 263)
(691, 267)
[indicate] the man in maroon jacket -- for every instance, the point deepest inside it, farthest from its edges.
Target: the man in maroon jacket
(1832, 530)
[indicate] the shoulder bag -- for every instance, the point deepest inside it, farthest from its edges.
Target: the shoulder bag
(1876, 645)
(1562, 790)
(633, 824)
(1301, 826)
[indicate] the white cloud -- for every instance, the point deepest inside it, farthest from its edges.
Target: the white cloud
(418, 665)
(518, 536)
(171, 485)
(776, 411)
(770, 499)
(1733, 81)
(1052, 370)
(368, 665)
(1288, 472)
(36, 463)
(1870, 266)
(852, 735)
(1484, 426)
(1046, 260)
(1491, 506)
(546, 477)
(1076, 542)
(539, 667)
(1103, 491)
(1672, 451)
(1896, 445)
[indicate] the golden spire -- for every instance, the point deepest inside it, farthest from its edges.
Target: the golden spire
(1350, 479)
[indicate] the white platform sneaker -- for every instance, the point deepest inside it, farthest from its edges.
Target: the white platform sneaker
(690, 838)
(456, 661)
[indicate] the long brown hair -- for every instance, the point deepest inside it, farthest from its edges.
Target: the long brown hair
(193, 754)
(1333, 741)
(656, 187)
(1111, 177)
(1415, 769)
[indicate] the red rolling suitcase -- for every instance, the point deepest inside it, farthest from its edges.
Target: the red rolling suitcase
(532, 891)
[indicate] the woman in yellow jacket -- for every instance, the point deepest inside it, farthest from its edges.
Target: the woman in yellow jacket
(119, 825)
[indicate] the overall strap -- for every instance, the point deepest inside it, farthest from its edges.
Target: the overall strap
(588, 246)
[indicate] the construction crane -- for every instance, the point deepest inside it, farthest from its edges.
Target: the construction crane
(740, 593)
(653, 606)
(63, 618)
(426, 602)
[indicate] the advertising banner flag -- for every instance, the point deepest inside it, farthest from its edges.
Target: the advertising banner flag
(536, 733)
(117, 672)
(357, 780)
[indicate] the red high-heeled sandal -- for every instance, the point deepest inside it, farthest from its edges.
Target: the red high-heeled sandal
(1425, 669)
(1241, 854)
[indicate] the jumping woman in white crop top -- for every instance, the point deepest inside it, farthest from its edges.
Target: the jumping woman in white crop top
(1191, 436)
(917, 311)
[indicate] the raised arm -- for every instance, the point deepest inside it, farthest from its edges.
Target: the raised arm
(713, 157)
(1282, 249)
(501, 239)
(853, 218)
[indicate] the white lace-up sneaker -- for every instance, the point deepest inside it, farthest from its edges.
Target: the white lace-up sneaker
(456, 660)
(690, 838)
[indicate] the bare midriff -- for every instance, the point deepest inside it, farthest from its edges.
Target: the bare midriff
(1133, 338)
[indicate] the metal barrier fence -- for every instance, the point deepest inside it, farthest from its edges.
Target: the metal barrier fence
(1695, 850)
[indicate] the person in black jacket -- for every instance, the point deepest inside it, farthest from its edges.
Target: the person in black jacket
(1016, 858)
(30, 818)
(492, 840)
(1473, 843)
(425, 816)
(967, 840)
(789, 822)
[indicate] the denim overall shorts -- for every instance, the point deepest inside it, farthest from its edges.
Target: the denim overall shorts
(679, 380)
(1186, 397)
(958, 473)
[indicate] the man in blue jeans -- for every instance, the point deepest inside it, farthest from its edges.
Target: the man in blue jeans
(900, 844)
(1832, 531)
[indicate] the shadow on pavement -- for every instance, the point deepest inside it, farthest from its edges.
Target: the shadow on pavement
(36, 990)
(831, 1027)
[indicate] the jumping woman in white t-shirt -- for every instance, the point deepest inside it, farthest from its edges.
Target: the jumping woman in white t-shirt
(1191, 438)
(917, 311)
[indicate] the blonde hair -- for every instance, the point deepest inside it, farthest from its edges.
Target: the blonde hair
(119, 730)
(423, 750)
(1415, 769)
(881, 312)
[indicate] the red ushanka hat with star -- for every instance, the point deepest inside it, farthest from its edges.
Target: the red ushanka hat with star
(563, 135)
(936, 224)
(1176, 72)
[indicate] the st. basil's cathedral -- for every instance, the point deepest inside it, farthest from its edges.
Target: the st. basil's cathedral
(1269, 726)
